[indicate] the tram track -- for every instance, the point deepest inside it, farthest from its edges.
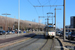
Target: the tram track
(47, 44)
(44, 47)
(26, 43)
(44, 44)
(52, 45)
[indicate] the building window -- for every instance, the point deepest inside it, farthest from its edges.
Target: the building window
(1, 27)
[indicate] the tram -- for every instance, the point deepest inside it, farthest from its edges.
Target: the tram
(49, 31)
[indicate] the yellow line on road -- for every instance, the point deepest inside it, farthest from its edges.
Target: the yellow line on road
(14, 43)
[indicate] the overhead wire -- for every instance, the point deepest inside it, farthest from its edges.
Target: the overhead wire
(42, 8)
(46, 2)
(39, 2)
(49, 4)
(30, 2)
(55, 2)
(36, 11)
(34, 7)
(43, 11)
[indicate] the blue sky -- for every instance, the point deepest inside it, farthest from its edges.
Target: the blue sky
(28, 12)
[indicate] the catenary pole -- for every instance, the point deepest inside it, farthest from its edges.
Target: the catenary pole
(64, 19)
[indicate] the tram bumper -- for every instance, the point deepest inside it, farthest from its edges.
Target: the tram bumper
(51, 34)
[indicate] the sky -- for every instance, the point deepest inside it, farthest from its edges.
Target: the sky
(31, 13)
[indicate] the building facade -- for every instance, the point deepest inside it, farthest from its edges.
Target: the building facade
(7, 23)
(72, 22)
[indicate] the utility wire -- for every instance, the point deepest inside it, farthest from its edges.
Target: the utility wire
(34, 7)
(55, 2)
(42, 11)
(49, 4)
(42, 8)
(36, 11)
(39, 2)
(30, 3)
(49, 1)
(46, 2)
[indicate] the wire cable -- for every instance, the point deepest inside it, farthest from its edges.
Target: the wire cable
(36, 11)
(55, 2)
(42, 11)
(42, 8)
(39, 2)
(30, 3)
(49, 4)
(46, 2)
(49, 1)
(34, 7)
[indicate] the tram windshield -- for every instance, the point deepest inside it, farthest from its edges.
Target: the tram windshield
(50, 29)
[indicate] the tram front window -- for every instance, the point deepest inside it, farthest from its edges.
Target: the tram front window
(51, 29)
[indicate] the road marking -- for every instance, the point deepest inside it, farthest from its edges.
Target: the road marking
(14, 43)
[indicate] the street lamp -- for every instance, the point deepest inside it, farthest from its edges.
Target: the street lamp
(6, 22)
(18, 15)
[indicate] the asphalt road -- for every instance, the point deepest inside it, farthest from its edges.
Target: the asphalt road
(16, 38)
(36, 43)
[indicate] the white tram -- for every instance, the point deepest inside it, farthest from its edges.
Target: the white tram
(49, 31)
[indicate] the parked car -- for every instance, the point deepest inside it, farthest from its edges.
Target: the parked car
(13, 31)
(10, 32)
(2, 32)
(19, 31)
(61, 33)
(7, 32)
(58, 33)
(71, 35)
(66, 35)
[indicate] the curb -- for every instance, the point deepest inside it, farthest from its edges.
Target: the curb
(60, 43)
(16, 42)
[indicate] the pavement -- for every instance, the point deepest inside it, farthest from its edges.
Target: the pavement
(67, 44)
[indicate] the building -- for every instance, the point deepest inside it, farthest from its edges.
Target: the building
(7, 23)
(72, 22)
(67, 28)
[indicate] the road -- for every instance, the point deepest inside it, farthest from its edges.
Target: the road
(16, 38)
(36, 43)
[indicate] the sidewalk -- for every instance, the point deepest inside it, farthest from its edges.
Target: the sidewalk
(67, 44)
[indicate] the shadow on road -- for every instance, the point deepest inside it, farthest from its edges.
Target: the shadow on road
(31, 35)
(69, 41)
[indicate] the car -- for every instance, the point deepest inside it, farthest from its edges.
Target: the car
(13, 31)
(58, 33)
(19, 31)
(61, 33)
(7, 32)
(71, 35)
(66, 35)
(2, 32)
(10, 32)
